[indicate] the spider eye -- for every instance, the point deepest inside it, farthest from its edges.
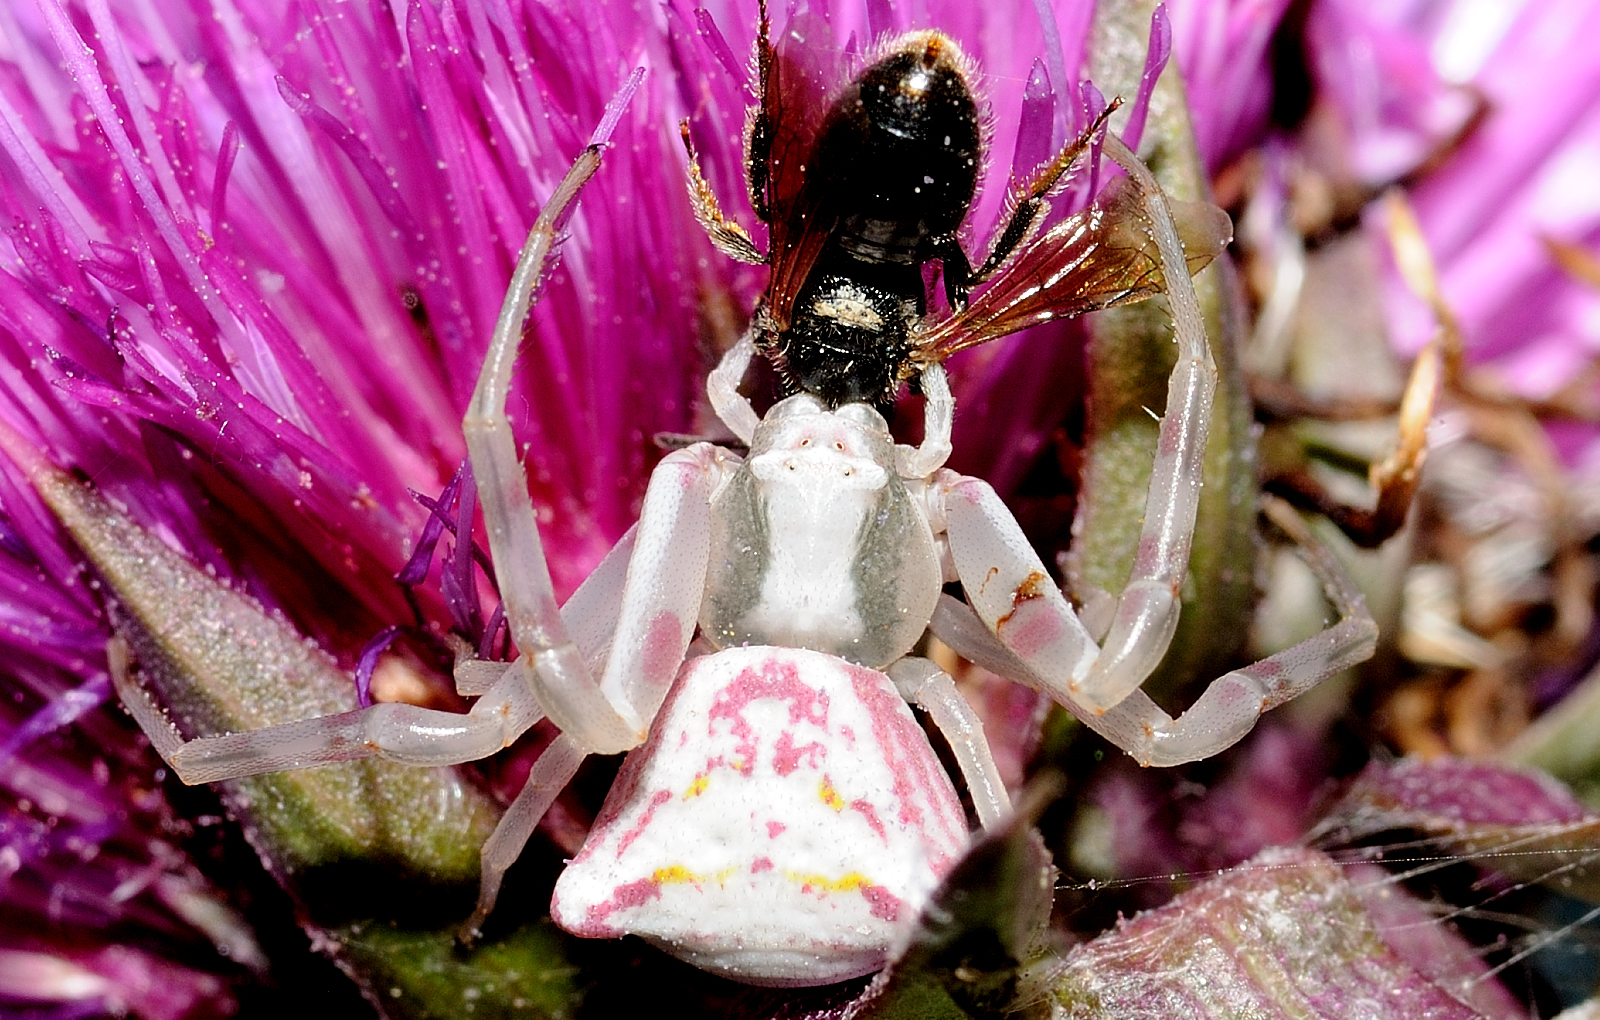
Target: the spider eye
(805, 442)
(838, 445)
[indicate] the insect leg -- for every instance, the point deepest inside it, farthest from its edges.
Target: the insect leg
(727, 236)
(1026, 205)
(930, 688)
(759, 126)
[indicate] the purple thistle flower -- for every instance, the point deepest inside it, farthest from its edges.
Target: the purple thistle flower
(1514, 85)
(251, 257)
(1524, 176)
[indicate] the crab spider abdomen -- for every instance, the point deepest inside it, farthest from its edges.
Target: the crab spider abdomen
(784, 821)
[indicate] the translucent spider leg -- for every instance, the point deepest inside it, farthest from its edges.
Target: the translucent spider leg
(1012, 594)
(397, 732)
(1146, 614)
(660, 592)
(1009, 587)
(931, 689)
(1232, 703)
(636, 625)
(553, 666)
(549, 776)
(1230, 706)
(590, 615)
(505, 709)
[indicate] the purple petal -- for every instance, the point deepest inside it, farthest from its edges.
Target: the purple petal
(706, 27)
(1155, 61)
(1223, 47)
(1034, 126)
(1517, 822)
(369, 661)
(460, 588)
(1283, 936)
(1454, 793)
(416, 569)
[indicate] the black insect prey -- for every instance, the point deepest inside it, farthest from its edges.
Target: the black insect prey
(863, 184)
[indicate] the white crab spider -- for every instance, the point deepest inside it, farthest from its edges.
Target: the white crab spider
(785, 818)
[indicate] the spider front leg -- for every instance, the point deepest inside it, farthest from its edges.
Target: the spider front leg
(553, 665)
(660, 601)
(1044, 643)
(660, 597)
(1146, 612)
(1008, 586)
(1228, 708)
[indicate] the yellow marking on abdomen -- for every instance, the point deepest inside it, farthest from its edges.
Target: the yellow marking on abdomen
(673, 874)
(829, 795)
(849, 882)
(677, 874)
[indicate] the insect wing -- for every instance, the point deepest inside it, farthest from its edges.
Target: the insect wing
(801, 76)
(1100, 257)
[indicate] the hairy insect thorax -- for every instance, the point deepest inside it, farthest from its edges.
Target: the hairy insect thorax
(822, 545)
(896, 165)
(852, 331)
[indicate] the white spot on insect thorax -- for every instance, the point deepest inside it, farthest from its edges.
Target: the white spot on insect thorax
(849, 306)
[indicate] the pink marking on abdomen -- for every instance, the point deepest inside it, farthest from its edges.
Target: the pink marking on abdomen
(633, 894)
(775, 678)
(775, 829)
(867, 811)
(910, 759)
(786, 757)
(657, 799)
(881, 903)
(760, 864)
